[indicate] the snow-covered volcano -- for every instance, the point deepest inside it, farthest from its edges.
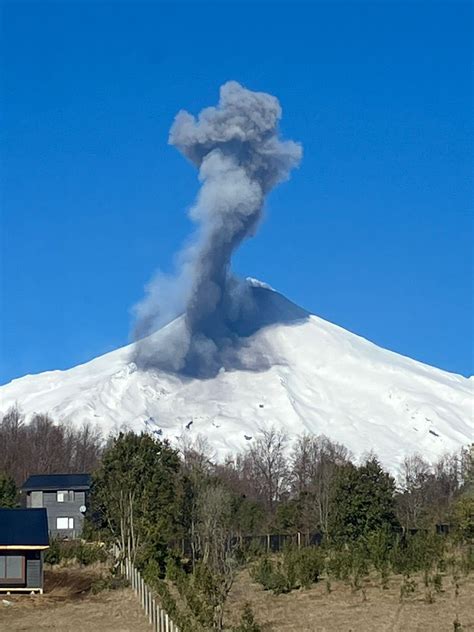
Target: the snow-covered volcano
(290, 369)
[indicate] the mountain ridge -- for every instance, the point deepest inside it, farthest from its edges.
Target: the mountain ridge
(293, 370)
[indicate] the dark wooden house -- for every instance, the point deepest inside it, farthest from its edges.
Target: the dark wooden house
(23, 540)
(65, 498)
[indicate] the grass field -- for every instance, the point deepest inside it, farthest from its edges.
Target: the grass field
(342, 610)
(69, 606)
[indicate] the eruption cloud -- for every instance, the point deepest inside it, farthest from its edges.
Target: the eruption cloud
(240, 158)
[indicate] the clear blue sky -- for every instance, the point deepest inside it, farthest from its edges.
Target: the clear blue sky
(373, 232)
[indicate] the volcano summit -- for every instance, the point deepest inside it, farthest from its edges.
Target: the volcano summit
(312, 376)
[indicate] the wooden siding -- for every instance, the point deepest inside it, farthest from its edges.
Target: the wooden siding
(67, 509)
(34, 570)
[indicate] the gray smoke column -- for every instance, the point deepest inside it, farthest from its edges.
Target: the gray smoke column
(240, 158)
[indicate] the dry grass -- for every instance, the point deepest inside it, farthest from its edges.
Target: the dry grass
(342, 610)
(68, 605)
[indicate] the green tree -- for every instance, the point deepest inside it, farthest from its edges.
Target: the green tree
(8, 491)
(463, 516)
(136, 495)
(362, 501)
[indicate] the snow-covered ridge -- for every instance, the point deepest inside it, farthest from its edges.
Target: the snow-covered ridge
(317, 378)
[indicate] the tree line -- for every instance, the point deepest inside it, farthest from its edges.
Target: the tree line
(148, 497)
(42, 446)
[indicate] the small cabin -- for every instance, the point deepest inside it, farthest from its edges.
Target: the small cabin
(23, 540)
(65, 498)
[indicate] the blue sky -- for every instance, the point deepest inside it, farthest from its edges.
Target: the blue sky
(373, 232)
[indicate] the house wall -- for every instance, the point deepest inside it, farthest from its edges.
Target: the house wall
(67, 509)
(34, 569)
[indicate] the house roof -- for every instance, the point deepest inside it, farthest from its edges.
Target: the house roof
(53, 482)
(23, 527)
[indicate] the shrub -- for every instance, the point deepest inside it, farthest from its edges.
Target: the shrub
(339, 564)
(247, 622)
(108, 583)
(89, 553)
(297, 568)
(84, 553)
(407, 587)
(263, 573)
(271, 576)
(308, 565)
(53, 554)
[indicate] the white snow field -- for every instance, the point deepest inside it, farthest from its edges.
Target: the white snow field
(316, 378)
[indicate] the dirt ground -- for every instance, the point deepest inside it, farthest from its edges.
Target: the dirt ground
(341, 610)
(68, 605)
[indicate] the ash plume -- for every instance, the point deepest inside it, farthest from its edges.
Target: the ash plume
(240, 158)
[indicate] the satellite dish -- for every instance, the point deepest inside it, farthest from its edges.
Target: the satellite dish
(82, 509)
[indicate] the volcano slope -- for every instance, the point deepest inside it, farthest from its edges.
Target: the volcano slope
(287, 368)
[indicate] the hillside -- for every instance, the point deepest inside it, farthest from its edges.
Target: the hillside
(290, 368)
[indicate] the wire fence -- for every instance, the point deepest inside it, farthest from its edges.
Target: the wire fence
(267, 543)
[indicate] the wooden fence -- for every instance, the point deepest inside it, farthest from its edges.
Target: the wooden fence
(157, 617)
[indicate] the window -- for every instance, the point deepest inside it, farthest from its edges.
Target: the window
(64, 523)
(12, 569)
(65, 496)
(36, 499)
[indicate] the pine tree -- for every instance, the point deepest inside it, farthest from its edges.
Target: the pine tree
(8, 491)
(362, 501)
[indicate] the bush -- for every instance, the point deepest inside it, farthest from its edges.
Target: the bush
(263, 572)
(84, 553)
(339, 564)
(108, 583)
(53, 554)
(297, 568)
(247, 622)
(407, 587)
(306, 566)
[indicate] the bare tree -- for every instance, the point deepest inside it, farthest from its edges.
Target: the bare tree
(314, 464)
(216, 551)
(416, 472)
(428, 491)
(45, 447)
(266, 460)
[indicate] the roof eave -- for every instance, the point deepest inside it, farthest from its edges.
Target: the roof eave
(74, 488)
(24, 547)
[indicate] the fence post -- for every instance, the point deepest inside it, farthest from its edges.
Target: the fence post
(157, 617)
